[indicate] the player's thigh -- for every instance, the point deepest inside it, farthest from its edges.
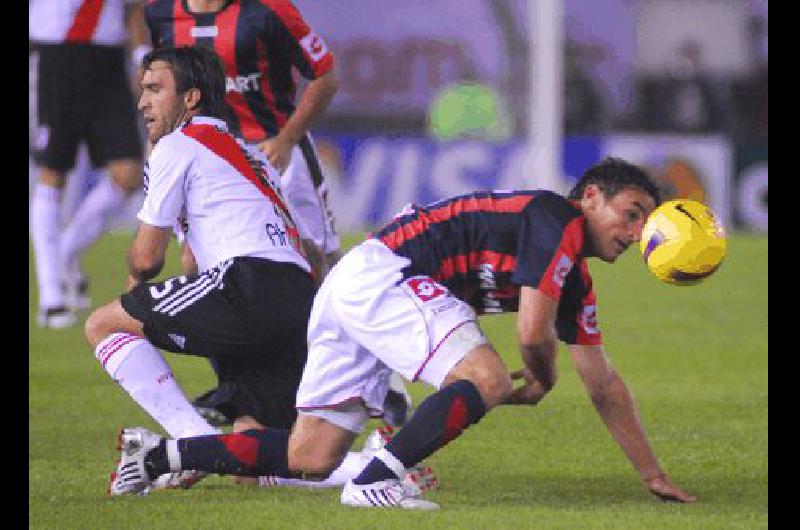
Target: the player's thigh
(191, 314)
(108, 319)
(484, 367)
(415, 326)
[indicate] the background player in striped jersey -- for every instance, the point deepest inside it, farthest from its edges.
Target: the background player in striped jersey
(261, 43)
(406, 300)
(83, 94)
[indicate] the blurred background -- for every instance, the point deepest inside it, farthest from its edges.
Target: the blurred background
(447, 96)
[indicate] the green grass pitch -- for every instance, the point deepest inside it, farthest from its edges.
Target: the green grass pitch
(695, 359)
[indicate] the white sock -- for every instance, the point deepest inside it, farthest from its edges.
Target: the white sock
(173, 455)
(350, 467)
(45, 231)
(144, 374)
(89, 222)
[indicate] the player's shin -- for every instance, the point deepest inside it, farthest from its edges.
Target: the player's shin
(442, 417)
(249, 453)
(140, 369)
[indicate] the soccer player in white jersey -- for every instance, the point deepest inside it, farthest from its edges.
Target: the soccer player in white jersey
(249, 303)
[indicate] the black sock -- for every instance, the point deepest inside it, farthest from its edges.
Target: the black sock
(252, 453)
(442, 417)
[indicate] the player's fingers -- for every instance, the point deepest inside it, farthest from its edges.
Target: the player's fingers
(673, 495)
(518, 374)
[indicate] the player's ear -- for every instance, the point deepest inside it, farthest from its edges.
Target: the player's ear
(192, 98)
(591, 191)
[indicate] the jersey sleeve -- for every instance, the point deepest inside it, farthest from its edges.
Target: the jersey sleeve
(165, 175)
(576, 321)
(309, 53)
(549, 243)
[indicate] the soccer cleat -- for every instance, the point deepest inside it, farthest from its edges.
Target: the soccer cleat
(59, 317)
(178, 480)
(131, 475)
(378, 438)
(419, 475)
(385, 494)
(422, 477)
(397, 405)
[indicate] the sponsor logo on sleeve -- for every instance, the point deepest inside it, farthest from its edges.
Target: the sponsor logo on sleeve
(314, 46)
(589, 319)
(563, 267)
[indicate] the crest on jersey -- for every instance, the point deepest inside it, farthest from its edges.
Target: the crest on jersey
(425, 288)
(589, 319)
(563, 267)
(314, 46)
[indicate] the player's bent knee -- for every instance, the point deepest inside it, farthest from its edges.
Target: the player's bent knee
(95, 328)
(317, 447)
(314, 465)
(127, 174)
(486, 370)
(111, 318)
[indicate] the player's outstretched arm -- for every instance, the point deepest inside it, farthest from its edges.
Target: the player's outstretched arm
(614, 403)
(538, 346)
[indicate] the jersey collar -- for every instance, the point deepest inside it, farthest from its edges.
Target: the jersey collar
(208, 120)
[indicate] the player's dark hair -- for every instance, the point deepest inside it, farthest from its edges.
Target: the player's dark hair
(612, 175)
(196, 67)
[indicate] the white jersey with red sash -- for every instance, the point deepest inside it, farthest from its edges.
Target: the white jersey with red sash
(218, 187)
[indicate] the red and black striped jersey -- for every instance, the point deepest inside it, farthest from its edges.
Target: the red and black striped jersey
(259, 41)
(483, 246)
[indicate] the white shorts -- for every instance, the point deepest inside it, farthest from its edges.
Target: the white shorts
(308, 205)
(366, 323)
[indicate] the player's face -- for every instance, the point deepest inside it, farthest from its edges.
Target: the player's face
(615, 222)
(162, 108)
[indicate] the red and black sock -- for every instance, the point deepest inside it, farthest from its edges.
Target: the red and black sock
(439, 419)
(253, 452)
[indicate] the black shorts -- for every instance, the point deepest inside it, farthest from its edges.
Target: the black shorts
(84, 93)
(251, 316)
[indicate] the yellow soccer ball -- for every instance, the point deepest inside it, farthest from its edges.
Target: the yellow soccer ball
(683, 242)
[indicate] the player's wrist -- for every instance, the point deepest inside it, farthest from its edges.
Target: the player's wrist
(653, 475)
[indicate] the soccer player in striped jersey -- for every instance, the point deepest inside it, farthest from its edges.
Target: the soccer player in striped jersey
(407, 300)
(261, 43)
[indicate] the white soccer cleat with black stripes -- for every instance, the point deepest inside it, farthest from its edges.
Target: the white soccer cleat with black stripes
(385, 494)
(131, 475)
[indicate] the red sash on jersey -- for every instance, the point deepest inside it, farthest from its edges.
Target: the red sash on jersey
(85, 21)
(224, 145)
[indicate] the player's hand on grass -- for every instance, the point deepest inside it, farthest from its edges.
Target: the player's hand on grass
(531, 391)
(661, 487)
(278, 151)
